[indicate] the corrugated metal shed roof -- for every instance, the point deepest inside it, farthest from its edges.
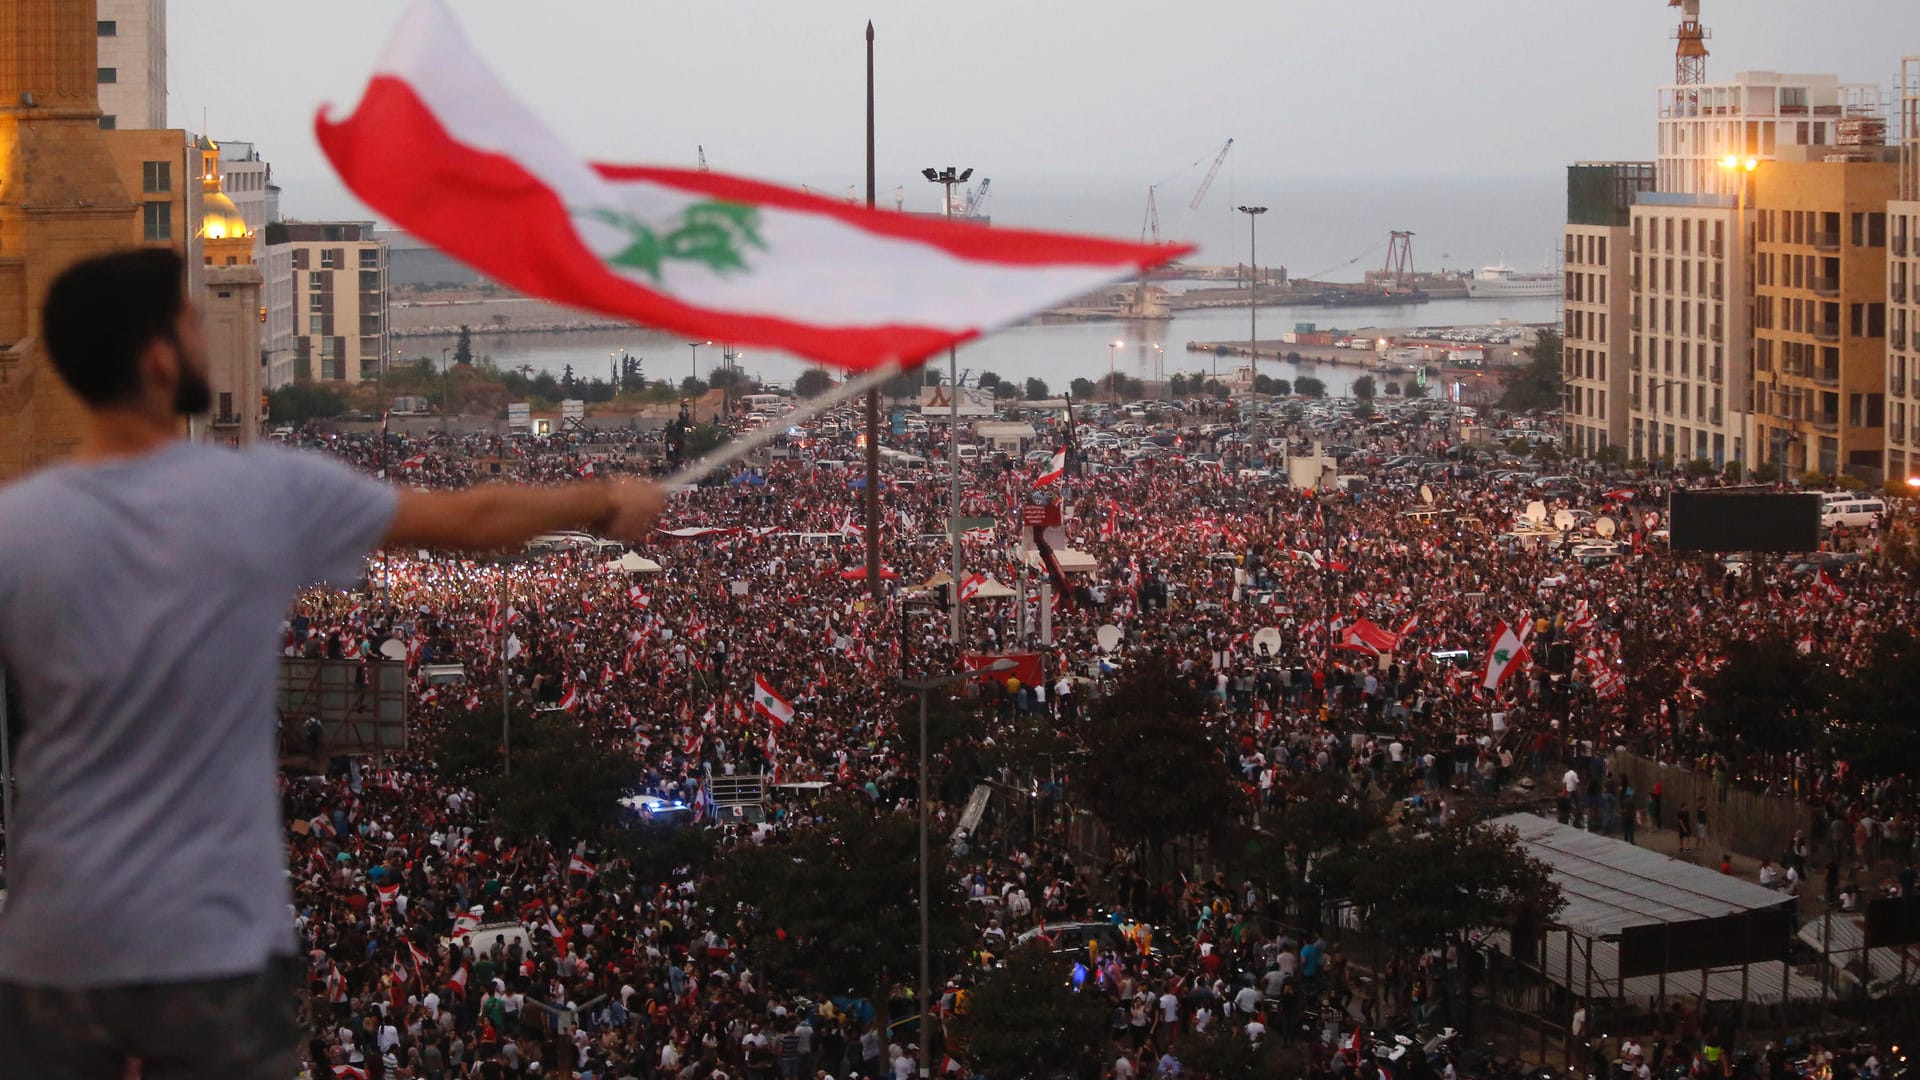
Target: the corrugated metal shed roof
(1610, 885)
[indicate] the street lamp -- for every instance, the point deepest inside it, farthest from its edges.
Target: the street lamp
(947, 178)
(446, 394)
(922, 686)
(1113, 383)
(695, 346)
(1253, 286)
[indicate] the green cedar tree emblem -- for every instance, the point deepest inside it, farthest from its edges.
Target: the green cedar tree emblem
(1502, 655)
(718, 234)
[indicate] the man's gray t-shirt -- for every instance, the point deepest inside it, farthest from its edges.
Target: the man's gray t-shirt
(141, 601)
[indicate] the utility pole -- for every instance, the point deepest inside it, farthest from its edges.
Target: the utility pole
(873, 395)
(1253, 287)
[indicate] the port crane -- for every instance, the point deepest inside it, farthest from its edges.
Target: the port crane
(1690, 44)
(1207, 183)
(976, 204)
(703, 157)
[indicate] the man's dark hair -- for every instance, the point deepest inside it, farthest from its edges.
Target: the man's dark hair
(101, 313)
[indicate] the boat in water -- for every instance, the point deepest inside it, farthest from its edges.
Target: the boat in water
(1505, 281)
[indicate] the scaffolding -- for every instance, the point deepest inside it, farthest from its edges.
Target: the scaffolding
(332, 707)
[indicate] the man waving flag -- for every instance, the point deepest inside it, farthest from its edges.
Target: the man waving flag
(771, 705)
(1509, 648)
(1056, 469)
(440, 147)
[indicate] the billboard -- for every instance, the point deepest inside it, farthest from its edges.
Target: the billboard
(937, 401)
(519, 416)
(360, 706)
(1745, 520)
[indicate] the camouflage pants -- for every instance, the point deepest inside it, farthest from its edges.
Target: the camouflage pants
(242, 1027)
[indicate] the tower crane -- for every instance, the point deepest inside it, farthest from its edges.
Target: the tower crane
(703, 157)
(1215, 171)
(976, 204)
(1690, 44)
(1152, 222)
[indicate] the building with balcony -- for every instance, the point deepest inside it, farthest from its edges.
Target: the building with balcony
(1760, 115)
(1687, 379)
(1598, 261)
(1820, 315)
(326, 290)
(1903, 289)
(131, 74)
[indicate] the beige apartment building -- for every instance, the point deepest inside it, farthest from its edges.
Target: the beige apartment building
(1903, 290)
(1598, 265)
(326, 290)
(132, 71)
(1687, 381)
(1820, 315)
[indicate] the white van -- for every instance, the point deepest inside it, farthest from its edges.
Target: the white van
(1853, 512)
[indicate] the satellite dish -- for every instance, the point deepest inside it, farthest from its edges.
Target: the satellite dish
(1266, 641)
(1605, 527)
(1426, 494)
(1536, 511)
(1108, 637)
(1563, 519)
(393, 650)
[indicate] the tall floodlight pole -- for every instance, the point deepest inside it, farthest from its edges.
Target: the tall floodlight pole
(1253, 287)
(947, 178)
(1113, 379)
(873, 395)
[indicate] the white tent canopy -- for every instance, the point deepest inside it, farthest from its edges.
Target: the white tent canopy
(992, 590)
(633, 563)
(1071, 561)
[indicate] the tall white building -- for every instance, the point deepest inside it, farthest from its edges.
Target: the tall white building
(326, 300)
(133, 63)
(1903, 289)
(247, 180)
(1598, 339)
(1758, 115)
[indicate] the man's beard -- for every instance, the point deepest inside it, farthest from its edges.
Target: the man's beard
(192, 395)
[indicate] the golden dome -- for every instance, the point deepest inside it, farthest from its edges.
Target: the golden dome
(220, 219)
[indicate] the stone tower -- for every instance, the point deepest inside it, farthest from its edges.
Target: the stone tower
(61, 199)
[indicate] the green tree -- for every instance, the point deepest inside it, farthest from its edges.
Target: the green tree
(1177, 385)
(732, 379)
(692, 387)
(1037, 390)
(1282, 388)
(834, 905)
(1414, 389)
(1537, 385)
(564, 785)
(1874, 711)
(813, 382)
(1083, 389)
(1156, 778)
(1025, 1019)
(463, 347)
(987, 380)
(1005, 391)
(1416, 889)
(1363, 388)
(299, 402)
(1393, 388)
(1766, 697)
(1223, 1053)
(1309, 387)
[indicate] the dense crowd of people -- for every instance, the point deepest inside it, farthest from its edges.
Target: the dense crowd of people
(1385, 597)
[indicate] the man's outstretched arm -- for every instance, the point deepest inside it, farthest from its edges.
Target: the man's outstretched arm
(493, 517)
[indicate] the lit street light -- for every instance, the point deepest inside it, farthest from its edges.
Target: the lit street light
(695, 346)
(1113, 384)
(922, 686)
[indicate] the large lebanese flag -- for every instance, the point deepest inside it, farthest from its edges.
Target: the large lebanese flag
(771, 705)
(1504, 654)
(439, 146)
(1056, 469)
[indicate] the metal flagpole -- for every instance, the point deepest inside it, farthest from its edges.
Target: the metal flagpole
(694, 472)
(873, 395)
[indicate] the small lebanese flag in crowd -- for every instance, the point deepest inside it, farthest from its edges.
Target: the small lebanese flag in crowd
(399, 971)
(414, 462)
(349, 1072)
(1110, 526)
(638, 597)
(1824, 586)
(970, 588)
(571, 699)
(458, 980)
(463, 924)
(587, 469)
(578, 865)
(771, 705)
(421, 961)
(1056, 469)
(389, 893)
(440, 148)
(1504, 655)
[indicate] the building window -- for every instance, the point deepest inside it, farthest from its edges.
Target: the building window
(369, 258)
(317, 280)
(316, 324)
(156, 177)
(326, 258)
(107, 28)
(108, 75)
(226, 405)
(108, 123)
(157, 220)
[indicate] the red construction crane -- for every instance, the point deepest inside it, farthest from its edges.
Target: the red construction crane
(1211, 173)
(1690, 48)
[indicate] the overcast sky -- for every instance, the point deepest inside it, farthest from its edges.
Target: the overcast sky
(1036, 93)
